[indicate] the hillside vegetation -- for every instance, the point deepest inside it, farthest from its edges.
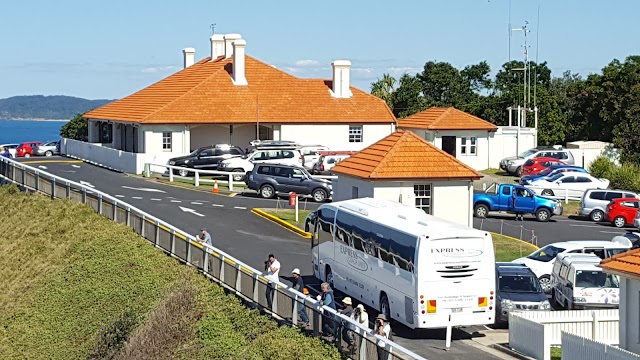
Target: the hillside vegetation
(78, 286)
(46, 107)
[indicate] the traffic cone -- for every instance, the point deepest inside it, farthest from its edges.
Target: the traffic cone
(215, 187)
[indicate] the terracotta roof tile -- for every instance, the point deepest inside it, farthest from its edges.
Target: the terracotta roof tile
(404, 155)
(204, 93)
(626, 262)
(440, 118)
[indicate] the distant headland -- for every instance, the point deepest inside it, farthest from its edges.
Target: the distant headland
(41, 107)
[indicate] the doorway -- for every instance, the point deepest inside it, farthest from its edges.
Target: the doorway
(449, 145)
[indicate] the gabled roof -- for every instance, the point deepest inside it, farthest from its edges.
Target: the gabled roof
(404, 155)
(626, 263)
(441, 118)
(205, 93)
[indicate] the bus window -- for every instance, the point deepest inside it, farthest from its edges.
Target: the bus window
(325, 225)
(357, 242)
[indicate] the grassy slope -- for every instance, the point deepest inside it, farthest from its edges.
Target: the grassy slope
(67, 272)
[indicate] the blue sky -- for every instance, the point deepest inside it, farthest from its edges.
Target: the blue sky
(109, 49)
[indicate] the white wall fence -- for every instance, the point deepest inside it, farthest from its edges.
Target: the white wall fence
(576, 347)
(534, 332)
(94, 153)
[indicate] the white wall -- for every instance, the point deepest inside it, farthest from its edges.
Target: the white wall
(504, 144)
(480, 160)
(630, 314)
(584, 157)
(209, 134)
(343, 186)
(453, 201)
(334, 136)
(132, 163)
(152, 143)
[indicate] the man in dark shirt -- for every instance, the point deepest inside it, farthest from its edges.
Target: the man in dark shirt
(298, 284)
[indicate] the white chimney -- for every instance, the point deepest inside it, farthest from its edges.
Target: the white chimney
(228, 44)
(239, 48)
(189, 56)
(341, 79)
(217, 46)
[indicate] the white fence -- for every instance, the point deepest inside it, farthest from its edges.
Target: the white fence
(598, 325)
(93, 153)
(576, 347)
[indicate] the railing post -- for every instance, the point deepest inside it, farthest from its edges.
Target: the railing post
(170, 174)
(274, 297)
(84, 196)
(230, 182)
(37, 180)
(53, 188)
(173, 241)
(142, 221)
(238, 278)
(197, 178)
(68, 191)
(100, 204)
(23, 176)
(222, 268)
(156, 239)
(316, 320)
(294, 315)
(188, 242)
(566, 196)
(128, 214)
(147, 170)
(256, 281)
(115, 211)
(205, 259)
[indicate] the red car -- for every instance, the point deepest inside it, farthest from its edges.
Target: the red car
(535, 165)
(621, 212)
(26, 149)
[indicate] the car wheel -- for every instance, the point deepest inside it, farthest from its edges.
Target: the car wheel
(619, 222)
(481, 211)
(27, 155)
(319, 195)
(267, 191)
(384, 306)
(239, 176)
(596, 215)
(545, 282)
(547, 192)
(543, 215)
(183, 172)
(48, 153)
(519, 171)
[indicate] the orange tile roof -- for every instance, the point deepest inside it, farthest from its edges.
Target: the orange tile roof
(626, 262)
(440, 118)
(204, 93)
(404, 155)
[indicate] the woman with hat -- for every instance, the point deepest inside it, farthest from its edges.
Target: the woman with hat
(383, 329)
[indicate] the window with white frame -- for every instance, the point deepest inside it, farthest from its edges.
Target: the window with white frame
(355, 133)
(423, 197)
(166, 140)
(468, 145)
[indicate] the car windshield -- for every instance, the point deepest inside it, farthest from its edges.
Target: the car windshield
(595, 278)
(555, 177)
(546, 254)
(527, 153)
(519, 283)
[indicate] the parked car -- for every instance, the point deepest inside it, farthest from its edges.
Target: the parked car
(11, 148)
(577, 283)
(594, 202)
(272, 155)
(329, 159)
(513, 198)
(567, 183)
(636, 221)
(518, 288)
(271, 179)
(551, 171)
(310, 155)
(541, 260)
(514, 164)
(622, 212)
(47, 149)
(535, 165)
(205, 158)
(26, 149)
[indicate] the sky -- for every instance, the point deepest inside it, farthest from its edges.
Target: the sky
(110, 49)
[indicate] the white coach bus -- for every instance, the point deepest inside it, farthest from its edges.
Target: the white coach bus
(417, 269)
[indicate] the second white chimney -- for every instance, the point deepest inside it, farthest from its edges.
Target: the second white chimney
(341, 79)
(239, 49)
(189, 55)
(228, 44)
(217, 46)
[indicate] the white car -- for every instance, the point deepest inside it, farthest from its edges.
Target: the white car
(541, 261)
(12, 149)
(244, 164)
(310, 155)
(573, 184)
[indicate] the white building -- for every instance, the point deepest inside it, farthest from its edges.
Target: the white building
(230, 97)
(403, 167)
(627, 267)
(474, 141)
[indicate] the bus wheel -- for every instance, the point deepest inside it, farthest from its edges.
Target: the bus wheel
(328, 276)
(384, 306)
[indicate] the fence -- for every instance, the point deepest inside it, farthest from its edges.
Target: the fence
(527, 327)
(507, 228)
(576, 347)
(237, 277)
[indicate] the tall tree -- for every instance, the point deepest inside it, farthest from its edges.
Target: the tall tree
(384, 88)
(408, 99)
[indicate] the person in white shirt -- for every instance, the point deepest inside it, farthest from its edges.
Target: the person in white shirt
(272, 267)
(383, 329)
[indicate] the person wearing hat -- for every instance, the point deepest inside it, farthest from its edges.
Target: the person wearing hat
(298, 284)
(360, 316)
(383, 329)
(204, 237)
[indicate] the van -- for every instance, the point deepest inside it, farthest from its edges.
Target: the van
(594, 202)
(579, 284)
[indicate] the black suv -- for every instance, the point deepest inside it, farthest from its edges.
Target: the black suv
(270, 179)
(205, 158)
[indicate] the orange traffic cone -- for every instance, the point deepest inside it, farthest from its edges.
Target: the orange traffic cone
(215, 187)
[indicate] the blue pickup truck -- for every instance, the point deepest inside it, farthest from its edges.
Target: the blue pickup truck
(514, 199)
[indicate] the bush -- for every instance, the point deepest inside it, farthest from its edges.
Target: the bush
(625, 177)
(601, 167)
(113, 336)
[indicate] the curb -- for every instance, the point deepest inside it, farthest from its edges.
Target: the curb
(282, 223)
(507, 350)
(515, 239)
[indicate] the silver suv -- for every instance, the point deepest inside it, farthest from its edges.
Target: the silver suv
(594, 202)
(513, 164)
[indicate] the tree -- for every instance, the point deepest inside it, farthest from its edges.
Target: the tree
(407, 99)
(567, 91)
(76, 128)
(384, 89)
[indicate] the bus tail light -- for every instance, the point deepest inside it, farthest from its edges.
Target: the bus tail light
(482, 301)
(431, 306)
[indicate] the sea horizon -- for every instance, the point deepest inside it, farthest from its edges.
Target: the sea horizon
(17, 131)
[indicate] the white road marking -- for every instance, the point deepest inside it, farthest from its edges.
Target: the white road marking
(190, 211)
(153, 199)
(217, 205)
(240, 207)
(176, 201)
(589, 226)
(86, 183)
(144, 189)
(612, 232)
(119, 196)
(196, 203)
(68, 171)
(76, 166)
(42, 167)
(136, 197)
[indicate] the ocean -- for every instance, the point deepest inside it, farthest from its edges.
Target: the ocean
(19, 131)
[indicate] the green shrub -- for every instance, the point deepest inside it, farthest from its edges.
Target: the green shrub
(112, 336)
(626, 177)
(601, 167)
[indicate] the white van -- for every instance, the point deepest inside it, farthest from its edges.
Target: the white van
(578, 283)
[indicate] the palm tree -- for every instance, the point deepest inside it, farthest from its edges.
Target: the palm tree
(384, 88)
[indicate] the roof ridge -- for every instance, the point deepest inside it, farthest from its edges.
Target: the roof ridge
(473, 116)
(387, 157)
(446, 153)
(442, 116)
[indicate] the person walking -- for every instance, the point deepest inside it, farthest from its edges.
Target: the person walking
(383, 329)
(298, 284)
(272, 267)
(327, 299)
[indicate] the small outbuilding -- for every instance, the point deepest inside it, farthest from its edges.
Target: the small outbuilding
(406, 168)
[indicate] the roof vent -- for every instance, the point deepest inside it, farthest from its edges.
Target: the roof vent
(217, 46)
(228, 44)
(189, 55)
(341, 84)
(239, 62)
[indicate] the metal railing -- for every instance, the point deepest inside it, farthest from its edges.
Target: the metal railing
(237, 277)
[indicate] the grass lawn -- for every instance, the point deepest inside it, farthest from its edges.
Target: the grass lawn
(571, 208)
(496, 172)
(289, 215)
(556, 353)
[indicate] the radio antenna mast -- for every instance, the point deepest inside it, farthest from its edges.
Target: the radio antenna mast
(536, 68)
(213, 28)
